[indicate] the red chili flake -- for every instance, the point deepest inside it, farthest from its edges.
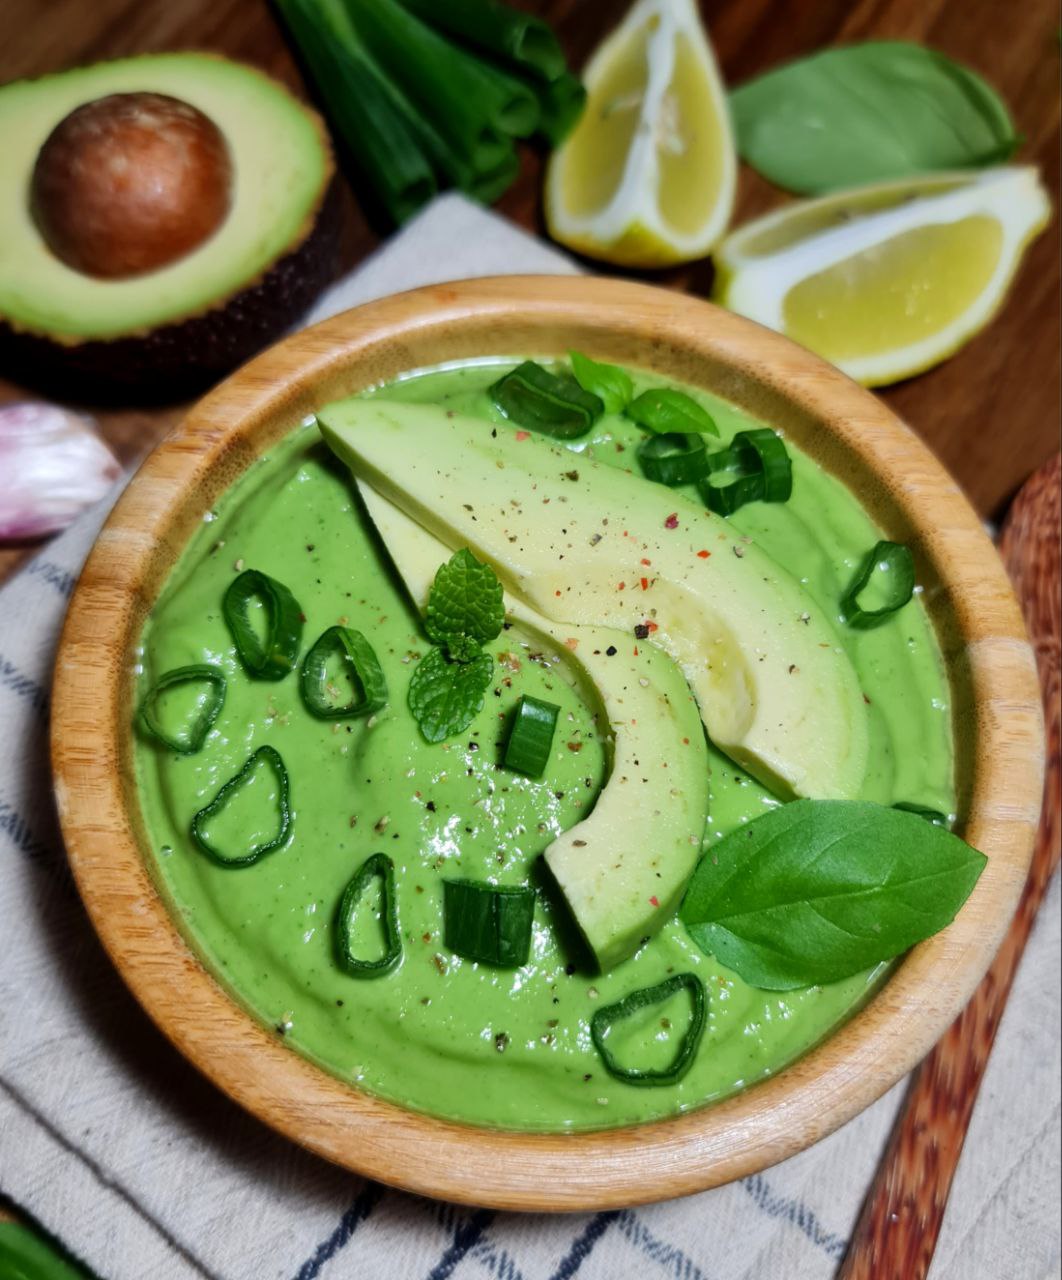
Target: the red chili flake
(635, 654)
(655, 900)
(672, 521)
(645, 584)
(571, 642)
(522, 435)
(651, 627)
(685, 742)
(556, 593)
(704, 554)
(644, 561)
(620, 586)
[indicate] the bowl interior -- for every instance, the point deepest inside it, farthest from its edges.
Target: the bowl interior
(996, 722)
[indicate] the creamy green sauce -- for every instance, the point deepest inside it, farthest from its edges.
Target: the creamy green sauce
(442, 1034)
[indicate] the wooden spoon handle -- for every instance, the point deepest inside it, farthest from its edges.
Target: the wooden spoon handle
(901, 1218)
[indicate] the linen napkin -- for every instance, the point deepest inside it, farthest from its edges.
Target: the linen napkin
(122, 1151)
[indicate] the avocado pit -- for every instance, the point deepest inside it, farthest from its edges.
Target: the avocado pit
(129, 183)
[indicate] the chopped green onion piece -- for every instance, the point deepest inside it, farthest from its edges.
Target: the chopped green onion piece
(730, 484)
(379, 864)
(611, 384)
(355, 653)
(604, 1019)
(194, 735)
(560, 105)
(273, 657)
(663, 409)
(271, 758)
(676, 457)
(933, 816)
(553, 403)
(531, 737)
(764, 449)
(889, 569)
(499, 31)
(489, 923)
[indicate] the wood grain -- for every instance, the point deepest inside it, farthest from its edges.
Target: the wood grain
(990, 413)
(898, 1228)
(995, 695)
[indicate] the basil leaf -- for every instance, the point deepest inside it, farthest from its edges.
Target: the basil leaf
(866, 113)
(663, 410)
(611, 385)
(445, 697)
(817, 890)
(465, 600)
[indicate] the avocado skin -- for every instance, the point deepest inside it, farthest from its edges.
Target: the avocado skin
(176, 361)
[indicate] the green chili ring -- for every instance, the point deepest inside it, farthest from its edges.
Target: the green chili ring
(674, 457)
(361, 656)
(604, 1019)
(202, 724)
(378, 864)
(552, 403)
(897, 560)
(275, 657)
(762, 449)
(272, 758)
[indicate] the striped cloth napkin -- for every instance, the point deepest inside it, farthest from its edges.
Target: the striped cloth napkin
(122, 1151)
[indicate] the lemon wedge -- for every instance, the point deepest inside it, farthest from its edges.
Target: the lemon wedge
(647, 177)
(886, 280)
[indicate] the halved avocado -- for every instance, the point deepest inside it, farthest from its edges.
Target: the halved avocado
(172, 329)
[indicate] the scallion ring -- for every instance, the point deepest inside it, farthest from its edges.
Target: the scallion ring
(676, 457)
(193, 737)
(489, 923)
(730, 483)
(379, 864)
(605, 1019)
(531, 737)
(274, 656)
(764, 449)
(889, 568)
(357, 654)
(553, 403)
(271, 758)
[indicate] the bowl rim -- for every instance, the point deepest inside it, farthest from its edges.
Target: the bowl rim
(846, 428)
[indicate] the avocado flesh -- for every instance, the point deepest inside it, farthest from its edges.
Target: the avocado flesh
(576, 541)
(282, 164)
(624, 868)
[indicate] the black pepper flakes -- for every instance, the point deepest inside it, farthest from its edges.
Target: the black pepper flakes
(641, 631)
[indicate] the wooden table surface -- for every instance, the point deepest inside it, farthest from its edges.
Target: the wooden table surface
(991, 413)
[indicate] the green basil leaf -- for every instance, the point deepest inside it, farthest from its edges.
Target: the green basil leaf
(612, 385)
(445, 697)
(866, 113)
(663, 410)
(465, 600)
(817, 890)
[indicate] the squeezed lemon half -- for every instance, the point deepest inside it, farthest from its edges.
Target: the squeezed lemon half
(647, 177)
(886, 280)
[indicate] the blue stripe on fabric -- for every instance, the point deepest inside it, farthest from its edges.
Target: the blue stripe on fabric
(583, 1244)
(466, 1236)
(363, 1205)
(665, 1255)
(55, 576)
(777, 1206)
(15, 826)
(497, 1261)
(21, 685)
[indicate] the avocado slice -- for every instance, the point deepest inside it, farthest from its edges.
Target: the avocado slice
(171, 329)
(585, 543)
(623, 869)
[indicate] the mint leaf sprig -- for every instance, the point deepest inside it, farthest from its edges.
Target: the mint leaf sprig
(465, 611)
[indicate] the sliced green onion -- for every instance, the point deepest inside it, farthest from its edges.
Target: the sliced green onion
(730, 484)
(553, 403)
(933, 816)
(531, 737)
(889, 568)
(378, 865)
(362, 105)
(194, 734)
(611, 384)
(663, 409)
(274, 657)
(560, 105)
(271, 758)
(764, 449)
(518, 38)
(605, 1019)
(356, 654)
(489, 923)
(676, 457)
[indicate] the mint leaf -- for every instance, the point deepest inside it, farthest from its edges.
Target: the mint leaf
(465, 600)
(445, 697)
(817, 890)
(663, 409)
(611, 385)
(461, 648)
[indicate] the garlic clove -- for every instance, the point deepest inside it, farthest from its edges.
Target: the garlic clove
(52, 466)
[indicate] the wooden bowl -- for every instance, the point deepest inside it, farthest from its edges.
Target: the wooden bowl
(998, 732)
